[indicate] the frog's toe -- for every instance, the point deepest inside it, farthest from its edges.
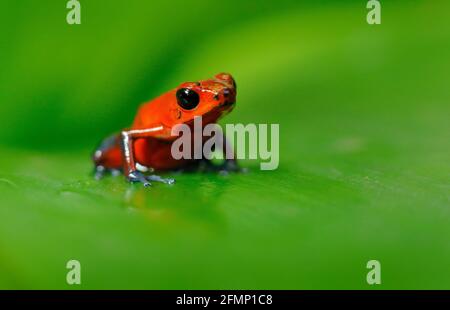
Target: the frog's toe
(138, 177)
(157, 178)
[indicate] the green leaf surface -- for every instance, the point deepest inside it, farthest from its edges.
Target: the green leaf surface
(364, 146)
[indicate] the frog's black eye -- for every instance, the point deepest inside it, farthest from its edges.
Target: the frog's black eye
(187, 98)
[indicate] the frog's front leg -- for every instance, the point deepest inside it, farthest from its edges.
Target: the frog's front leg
(130, 166)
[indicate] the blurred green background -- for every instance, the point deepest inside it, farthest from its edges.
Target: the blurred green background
(364, 170)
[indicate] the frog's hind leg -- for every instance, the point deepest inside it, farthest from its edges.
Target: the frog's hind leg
(107, 157)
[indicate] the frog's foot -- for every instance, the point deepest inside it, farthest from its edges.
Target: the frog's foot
(139, 177)
(157, 178)
(101, 171)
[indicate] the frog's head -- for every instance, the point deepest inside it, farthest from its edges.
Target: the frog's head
(211, 99)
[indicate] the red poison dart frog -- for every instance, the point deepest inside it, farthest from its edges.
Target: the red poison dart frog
(146, 145)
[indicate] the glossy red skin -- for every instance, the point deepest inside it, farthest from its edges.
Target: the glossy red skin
(155, 150)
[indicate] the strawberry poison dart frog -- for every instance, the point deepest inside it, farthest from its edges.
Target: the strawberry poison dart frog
(146, 145)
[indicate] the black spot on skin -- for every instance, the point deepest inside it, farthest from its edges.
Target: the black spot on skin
(197, 83)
